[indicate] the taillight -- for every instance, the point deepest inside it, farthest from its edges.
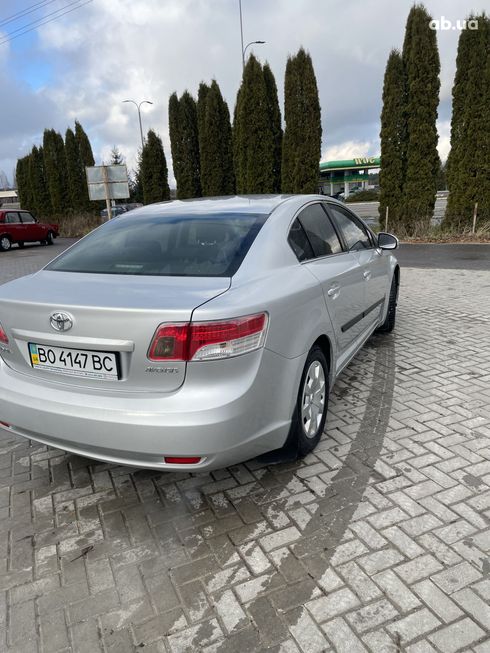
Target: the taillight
(199, 341)
(3, 336)
(169, 343)
(211, 340)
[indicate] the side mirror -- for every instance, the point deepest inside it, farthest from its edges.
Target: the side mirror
(387, 241)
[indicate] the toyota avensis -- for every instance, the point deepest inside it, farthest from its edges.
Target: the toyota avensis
(193, 335)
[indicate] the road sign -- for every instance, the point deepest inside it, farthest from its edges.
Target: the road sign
(107, 183)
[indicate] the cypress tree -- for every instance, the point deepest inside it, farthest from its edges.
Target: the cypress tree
(184, 139)
(24, 190)
(201, 109)
(55, 170)
(154, 173)
(421, 65)
(41, 200)
(253, 137)
(75, 172)
(303, 133)
(216, 152)
(468, 165)
(392, 144)
(275, 121)
(87, 159)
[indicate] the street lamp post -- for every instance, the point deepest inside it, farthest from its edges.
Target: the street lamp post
(138, 106)
(244, 49)
(247, 46)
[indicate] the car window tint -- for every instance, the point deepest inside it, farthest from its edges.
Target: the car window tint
(203, 245)
(12, 218)
(299, 242)
(27, 217)
(320, 231)
(355, 236)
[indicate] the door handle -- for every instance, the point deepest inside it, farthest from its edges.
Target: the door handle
(334, 291)
(366, 274)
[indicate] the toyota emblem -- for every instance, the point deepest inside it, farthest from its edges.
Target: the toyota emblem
(61, 321)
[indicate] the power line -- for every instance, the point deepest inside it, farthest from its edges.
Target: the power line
(43, 22)
(24, 12)
(57, 11)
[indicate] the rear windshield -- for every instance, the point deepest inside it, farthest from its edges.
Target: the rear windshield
(184, 246)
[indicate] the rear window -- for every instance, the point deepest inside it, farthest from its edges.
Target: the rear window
(185, 246)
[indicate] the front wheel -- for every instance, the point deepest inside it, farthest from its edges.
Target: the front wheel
(5, 243)
(21, 244)
(312, 403)
(389, 323)
(49, 238)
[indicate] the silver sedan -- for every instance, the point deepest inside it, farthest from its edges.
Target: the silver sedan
(193, 335)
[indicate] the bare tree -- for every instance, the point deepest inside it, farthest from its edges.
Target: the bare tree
(4, 182)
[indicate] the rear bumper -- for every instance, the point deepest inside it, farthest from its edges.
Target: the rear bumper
(224, 415)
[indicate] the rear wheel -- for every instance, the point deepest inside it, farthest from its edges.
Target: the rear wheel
(312, 403)
(20, 244)
(389, 324)
(5, 243)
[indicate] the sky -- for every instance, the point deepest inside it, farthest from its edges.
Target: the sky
(84, 63)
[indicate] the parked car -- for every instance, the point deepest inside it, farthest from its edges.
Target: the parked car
(119, 209)
(18, 226)
(193, 335)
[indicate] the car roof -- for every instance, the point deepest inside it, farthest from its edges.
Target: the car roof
(251, 204)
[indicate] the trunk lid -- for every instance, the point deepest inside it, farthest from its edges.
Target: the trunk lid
(117, 314)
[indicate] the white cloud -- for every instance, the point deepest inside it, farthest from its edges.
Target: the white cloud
(350, 150)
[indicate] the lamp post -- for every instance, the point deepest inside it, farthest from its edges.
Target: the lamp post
(138, 106)
(244, 49)
(247, 46)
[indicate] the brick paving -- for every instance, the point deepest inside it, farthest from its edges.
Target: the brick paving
(378, 542)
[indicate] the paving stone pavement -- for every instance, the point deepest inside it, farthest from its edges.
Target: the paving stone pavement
(377, 542)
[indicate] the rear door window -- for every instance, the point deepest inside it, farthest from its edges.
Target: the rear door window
(12, 217)
(172, 245)
(319, 230)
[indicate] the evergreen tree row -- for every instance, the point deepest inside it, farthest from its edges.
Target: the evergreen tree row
(468, 164)
(210, 157)
(51, 179)
(410, 162)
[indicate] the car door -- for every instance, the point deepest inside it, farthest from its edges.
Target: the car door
(13, 226)
(318, 246)
(373, 265)
(33, 230)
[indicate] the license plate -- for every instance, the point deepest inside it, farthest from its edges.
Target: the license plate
(75, 362)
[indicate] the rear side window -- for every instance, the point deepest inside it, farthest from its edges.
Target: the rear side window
(299, 242)
(12, 218)
(355, 236)
(319, 230)
(174, 245)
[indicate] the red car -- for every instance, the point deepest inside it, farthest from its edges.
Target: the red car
(17, 226)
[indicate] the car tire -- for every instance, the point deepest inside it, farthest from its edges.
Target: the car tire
(389, 323)
(5, 243)
(309, 418)
(49, 238)
(21, 244)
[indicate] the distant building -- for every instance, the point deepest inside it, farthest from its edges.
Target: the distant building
(348, 175)
(9, 198)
